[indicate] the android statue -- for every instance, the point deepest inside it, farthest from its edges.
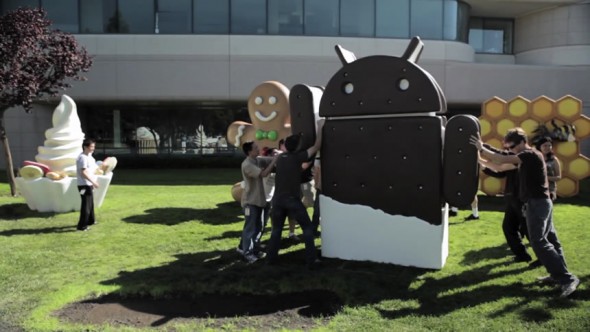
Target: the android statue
(391, 163)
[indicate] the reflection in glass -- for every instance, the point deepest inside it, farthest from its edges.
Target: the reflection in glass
(491, 35)
(173, 16)
(63, 14)
(393, 18)
(98, 16)
(285, 17)
(426, 19)
(357, 18)
(211, 16)
(248, 17)
(136, 16)
(321, 17)
(10, 5)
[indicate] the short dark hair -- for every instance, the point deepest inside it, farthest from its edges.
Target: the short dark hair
(281, 142)
(247, 147)
(87, 141)
(541, 140)
(292, 143)
(516, 135)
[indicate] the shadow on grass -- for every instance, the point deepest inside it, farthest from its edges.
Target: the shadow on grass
(21, 211)
(475, 256)
(225, 213)
(36, 231)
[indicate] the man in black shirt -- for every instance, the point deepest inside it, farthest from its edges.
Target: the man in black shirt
(286, 201)
(534, 193)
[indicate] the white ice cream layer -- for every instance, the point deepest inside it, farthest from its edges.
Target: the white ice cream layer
(358, 232)
(63, 142)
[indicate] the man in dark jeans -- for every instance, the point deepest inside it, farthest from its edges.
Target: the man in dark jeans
(513, 224)
(534, 192)
(287, 198)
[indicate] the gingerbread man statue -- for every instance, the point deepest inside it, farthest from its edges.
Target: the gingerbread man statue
(268, 106)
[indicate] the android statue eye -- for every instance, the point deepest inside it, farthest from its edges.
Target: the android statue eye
(403, 84)
(258, 100)
(272, 100)
(348, 88)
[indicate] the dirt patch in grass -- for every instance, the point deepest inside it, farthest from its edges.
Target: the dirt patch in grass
(302, 310)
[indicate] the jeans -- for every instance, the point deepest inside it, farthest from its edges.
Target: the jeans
(512, 226)
(87, 207)
(288, 206)
(315, 218)
(544, 241)
(256, 218)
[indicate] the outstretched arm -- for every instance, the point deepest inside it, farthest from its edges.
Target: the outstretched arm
(491, 155)
(318, 139)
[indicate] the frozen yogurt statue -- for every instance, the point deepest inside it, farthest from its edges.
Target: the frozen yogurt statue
(49, 185)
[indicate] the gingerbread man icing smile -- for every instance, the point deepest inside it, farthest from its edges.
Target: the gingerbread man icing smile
(268, 107)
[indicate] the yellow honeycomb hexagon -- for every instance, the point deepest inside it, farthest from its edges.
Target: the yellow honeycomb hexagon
(578, 168)
(569, 108)
(503, 126)
(542, 108)
(567, 187)
(582, 125)
(566, 150)
(492, 186)
(518, 108)
(485, 127)
(494, 108)
(529, 126)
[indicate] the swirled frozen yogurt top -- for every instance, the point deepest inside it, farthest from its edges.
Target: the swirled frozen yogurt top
(63, 142)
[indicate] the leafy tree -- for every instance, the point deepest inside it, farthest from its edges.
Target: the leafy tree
(35, 61)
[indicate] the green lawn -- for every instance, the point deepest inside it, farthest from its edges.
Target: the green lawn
(172, 234)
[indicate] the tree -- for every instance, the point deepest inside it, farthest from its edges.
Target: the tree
(35, 61)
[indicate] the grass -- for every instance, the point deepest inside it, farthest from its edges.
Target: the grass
(171, 233)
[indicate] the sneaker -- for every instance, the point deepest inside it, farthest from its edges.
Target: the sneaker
(293, 237)
(535, 264)
(452, 213)
(239, 250)
(260, 254)
(519, 259)
(472, 217)
(250, 258)
(547, 280)
(569, 288)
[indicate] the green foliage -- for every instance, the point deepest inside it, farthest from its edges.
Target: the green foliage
(172, 233)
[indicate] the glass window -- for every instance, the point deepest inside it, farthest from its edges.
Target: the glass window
(426, 19)
(173, 16)
(248, 17)
(321, 17)
(491, 35)
(285, 17)
(450, 20)
(63, 14)
(98, 16)
(136, 16)
(10, 5)
(357, 18)
(211, 16)
(393, 18)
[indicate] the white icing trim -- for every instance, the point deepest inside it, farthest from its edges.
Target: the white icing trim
(263, 118)
(239, 134)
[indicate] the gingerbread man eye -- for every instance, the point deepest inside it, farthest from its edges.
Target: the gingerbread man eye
(403, 84)
(258, 100)
(272, 100)
(348, 88)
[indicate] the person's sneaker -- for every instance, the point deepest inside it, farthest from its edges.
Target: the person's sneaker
(519, 259)
(293, 237)
(260, 254)
(535, 264)
(547, 280)
(568, 289)
(452, 213)
(472, 217)
(239, 250)
(250, 258)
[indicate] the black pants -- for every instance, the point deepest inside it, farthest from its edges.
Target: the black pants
(87, 208)
(514, 227)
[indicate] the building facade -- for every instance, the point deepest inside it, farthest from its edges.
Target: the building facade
(169, 76)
